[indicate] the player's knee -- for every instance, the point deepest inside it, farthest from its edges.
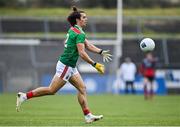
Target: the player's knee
(51, 91)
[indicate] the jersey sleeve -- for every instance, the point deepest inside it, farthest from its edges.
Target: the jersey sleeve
(80, 38)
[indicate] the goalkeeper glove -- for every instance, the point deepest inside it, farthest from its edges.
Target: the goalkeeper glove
(106, 55)
(99, 67)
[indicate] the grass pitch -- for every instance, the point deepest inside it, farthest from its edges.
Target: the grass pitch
(118, 110)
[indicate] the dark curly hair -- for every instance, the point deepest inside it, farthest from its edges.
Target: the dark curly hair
(76, 14)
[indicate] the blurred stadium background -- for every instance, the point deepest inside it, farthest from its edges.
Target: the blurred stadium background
(32, 34)
(31, 38)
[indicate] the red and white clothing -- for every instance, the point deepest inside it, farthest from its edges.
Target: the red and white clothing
(148, 68)
(65, 72)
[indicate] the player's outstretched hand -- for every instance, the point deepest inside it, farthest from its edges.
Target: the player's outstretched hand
(99, 67)
(106, 55)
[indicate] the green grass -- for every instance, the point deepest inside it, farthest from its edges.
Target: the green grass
(63, 12)
(63, 110)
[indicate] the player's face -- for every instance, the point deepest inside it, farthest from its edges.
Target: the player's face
(83, 20)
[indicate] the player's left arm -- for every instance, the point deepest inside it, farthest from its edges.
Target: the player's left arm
(105, 53)
(92, 47)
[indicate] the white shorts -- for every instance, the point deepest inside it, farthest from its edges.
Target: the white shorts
(65, 72)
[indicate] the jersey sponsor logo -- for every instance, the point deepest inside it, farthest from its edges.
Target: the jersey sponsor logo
(75, 30)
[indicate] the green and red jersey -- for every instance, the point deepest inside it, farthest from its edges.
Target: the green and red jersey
(70, 55)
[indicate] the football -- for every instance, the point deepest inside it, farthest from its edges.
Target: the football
(147, 44)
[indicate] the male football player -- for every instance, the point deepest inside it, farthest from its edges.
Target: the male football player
(66, 70)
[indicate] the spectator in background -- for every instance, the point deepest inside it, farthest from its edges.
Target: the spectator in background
(127, 73)
(147, 69)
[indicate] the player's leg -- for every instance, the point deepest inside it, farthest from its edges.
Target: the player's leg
(146, 95)
(132, 87)
(54, 86)
(151, 88)
(126, 87)
(77, 81)
(57, 82)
